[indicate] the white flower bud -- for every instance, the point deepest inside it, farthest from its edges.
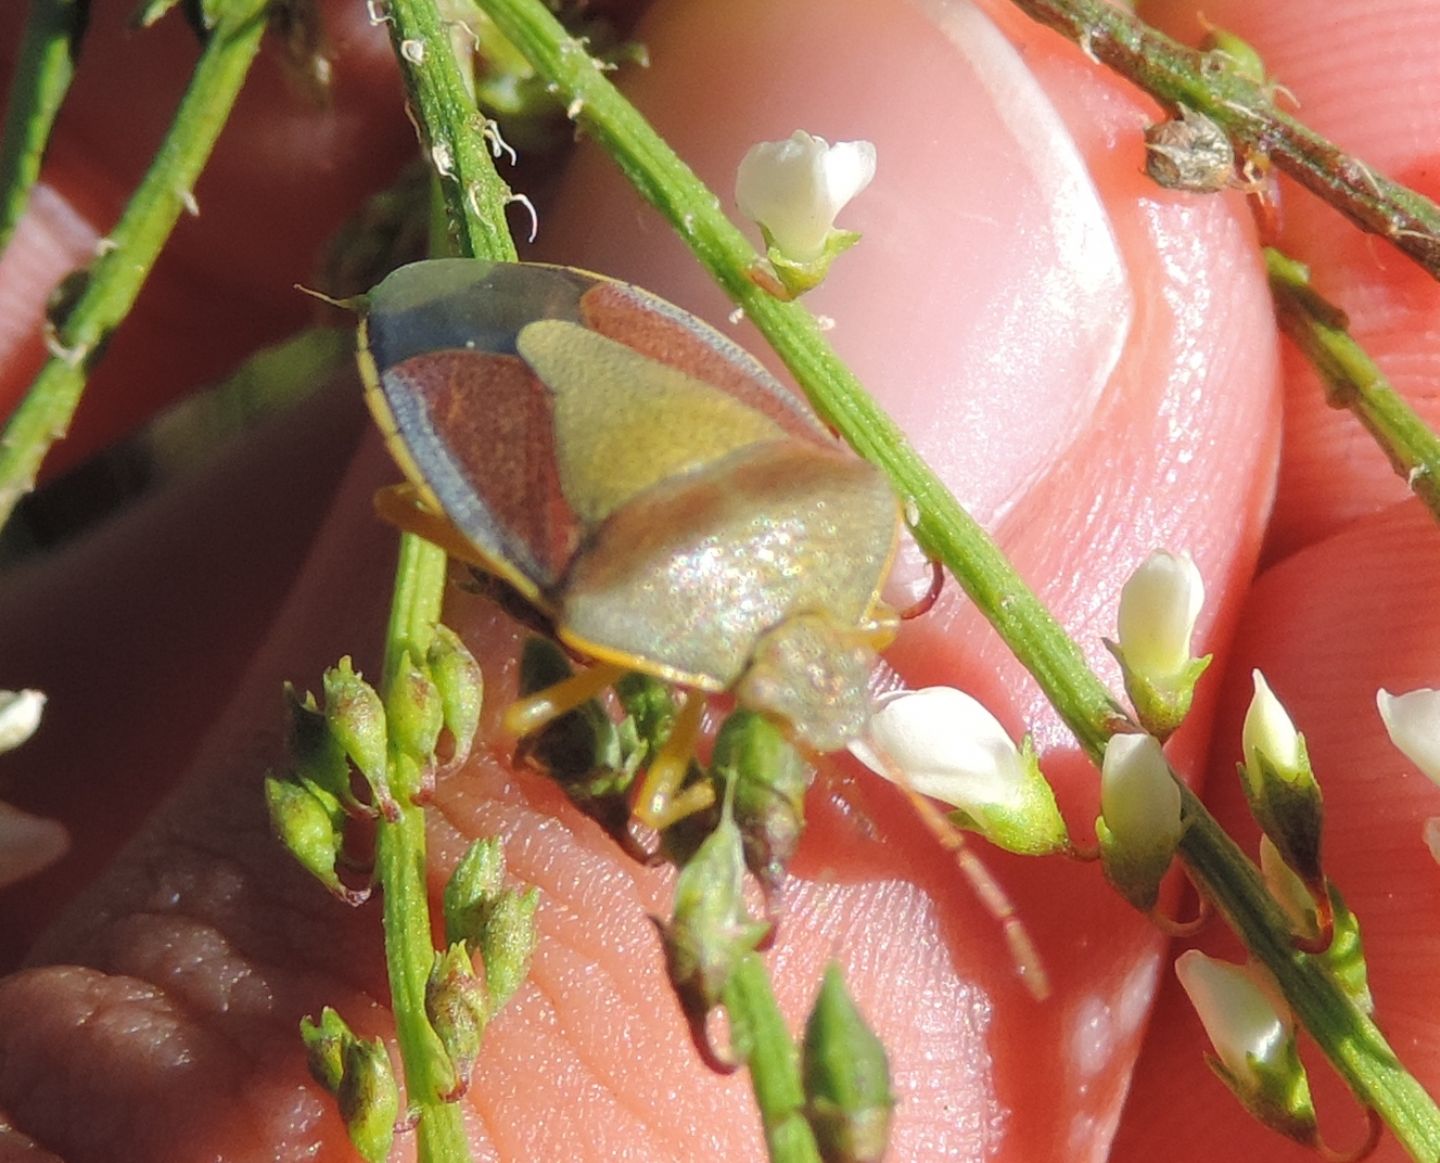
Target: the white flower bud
(1139, 798)
(1268, 731)
(947, 745)
(1413, 721)
(1158, 609)
(19, 716)
(1241, 1019)
(795, 188)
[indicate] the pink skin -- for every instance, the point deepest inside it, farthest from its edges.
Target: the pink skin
(165, 1003)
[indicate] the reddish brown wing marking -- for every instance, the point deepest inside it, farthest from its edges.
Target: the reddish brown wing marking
(488, 418)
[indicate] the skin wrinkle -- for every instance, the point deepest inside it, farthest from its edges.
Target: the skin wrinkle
(593, 1064)
(254, 1052)
(97, 1005)
(260, 891)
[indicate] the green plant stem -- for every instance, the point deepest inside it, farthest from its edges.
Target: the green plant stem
(946, 531)
(400, 871)
(1352, 379)
(116, 276)
(453, 133)
(43, 71)
(758, 1036)
(1347, 1037)
(1209, 83)
(474, 198)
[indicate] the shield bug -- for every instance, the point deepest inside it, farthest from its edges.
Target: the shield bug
(644, 485)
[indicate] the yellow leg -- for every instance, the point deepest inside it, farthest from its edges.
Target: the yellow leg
(402, 506)
(526, 716)
(657, 803)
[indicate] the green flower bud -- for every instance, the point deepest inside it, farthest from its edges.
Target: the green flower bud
(1343, 952)
(357, 720)
(458, 1008)
(847, 1078)
(1345, 956)
(315, 753)
(1241, 57)
(478, 879)
(310, 822)
(368, 1098)
(461, 684)
(414, 712)
(770, 781)
(585, 751)
(573, 748)
(496, 921)
(507, 943)
(710, 930)
(650, 707)
(325, 1043)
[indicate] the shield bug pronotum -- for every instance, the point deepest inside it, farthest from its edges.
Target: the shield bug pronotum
(643, 484)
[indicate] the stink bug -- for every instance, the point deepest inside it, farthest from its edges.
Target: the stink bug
(659, 499)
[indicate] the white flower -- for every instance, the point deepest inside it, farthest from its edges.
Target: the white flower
(795, 188)
(1156, 619)
(1139, 798)
(1413, 720)
(19, 716)
(946, 745)
(1268, 731)
(1243, 1023)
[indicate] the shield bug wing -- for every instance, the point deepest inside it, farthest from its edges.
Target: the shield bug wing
(635, 475)
(661, 331)
(697, 571)
(469, 423)
(472, 425)
(624, 423)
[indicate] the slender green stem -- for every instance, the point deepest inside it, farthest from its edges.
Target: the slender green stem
(474, 198)
(1209, 83)
(108, 288)
(400, 871)
(1352, 379)
(43, 71)
(945, 530)
(758, 1035)
(454, 131)
(1347, 1036)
